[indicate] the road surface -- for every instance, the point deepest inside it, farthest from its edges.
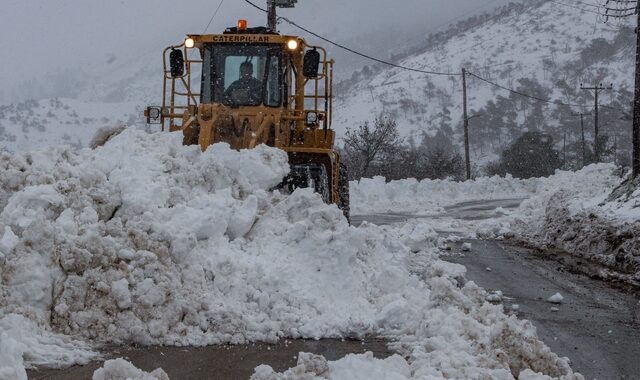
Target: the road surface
(597, 326)
(219, 362)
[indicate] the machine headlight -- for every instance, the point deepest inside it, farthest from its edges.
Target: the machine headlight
(189, 42)
(292, 44)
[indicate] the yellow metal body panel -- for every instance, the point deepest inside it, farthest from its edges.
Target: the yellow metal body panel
(246, 127)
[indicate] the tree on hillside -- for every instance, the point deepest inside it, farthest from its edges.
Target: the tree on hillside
(438, 158)
(531, 155)
(368, 147)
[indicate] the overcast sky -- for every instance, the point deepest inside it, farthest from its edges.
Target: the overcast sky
(40, 36)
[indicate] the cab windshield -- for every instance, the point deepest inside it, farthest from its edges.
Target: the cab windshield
(242, 75)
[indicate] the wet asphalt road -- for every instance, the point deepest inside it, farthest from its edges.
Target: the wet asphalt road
(218, 362)
(597, 326)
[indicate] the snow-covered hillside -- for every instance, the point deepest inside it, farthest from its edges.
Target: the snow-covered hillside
(113, 94)
(553, 47)
(33, 125)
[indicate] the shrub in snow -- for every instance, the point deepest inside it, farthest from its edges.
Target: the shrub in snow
(531, 155)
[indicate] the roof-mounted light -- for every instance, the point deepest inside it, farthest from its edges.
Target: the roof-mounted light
(242, 24)
(189, 42)
(292, 44)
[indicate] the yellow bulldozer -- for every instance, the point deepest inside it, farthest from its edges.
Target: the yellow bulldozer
(251, 86)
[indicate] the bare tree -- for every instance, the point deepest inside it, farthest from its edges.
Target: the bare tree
(368, 147)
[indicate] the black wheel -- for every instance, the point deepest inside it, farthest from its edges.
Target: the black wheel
(343, 190)
(309, 175)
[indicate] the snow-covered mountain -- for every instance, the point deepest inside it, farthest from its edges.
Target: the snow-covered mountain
(539, 47)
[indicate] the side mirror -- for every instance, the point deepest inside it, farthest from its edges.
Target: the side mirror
(311, 119)
(153, 115)
(311, 64)
(176, 62)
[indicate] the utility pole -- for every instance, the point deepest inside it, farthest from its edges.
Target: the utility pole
(465, 116)
(615, 150)
(597, 89)
(635, 160)
(564, 149)
(584, 156)
(272, 15)
(623, 9)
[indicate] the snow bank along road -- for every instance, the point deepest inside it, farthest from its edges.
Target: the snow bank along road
(598, 323)
(144, 241)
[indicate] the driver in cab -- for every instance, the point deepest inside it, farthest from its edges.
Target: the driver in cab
(245, 91)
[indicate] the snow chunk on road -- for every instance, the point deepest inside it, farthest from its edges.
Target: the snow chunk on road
(351, 367)
(120, 369)
(556, 298)
(22, 340)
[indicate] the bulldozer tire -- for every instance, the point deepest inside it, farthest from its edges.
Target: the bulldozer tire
(343, 190)
(308, 176)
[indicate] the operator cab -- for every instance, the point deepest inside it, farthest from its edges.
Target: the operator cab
(242, 75)
(254, 71)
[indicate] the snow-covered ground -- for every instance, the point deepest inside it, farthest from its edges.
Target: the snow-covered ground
(146, 241)
(569, 210)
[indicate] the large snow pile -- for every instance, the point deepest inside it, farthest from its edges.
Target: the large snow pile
(146, 241)
(574, 214)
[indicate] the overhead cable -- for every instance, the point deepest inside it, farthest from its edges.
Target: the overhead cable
(533, 97)
(537, 98)
(429, 72)
(215, 13)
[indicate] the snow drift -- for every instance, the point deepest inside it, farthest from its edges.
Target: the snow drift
(145, 241)
(375, 195)
(570, 211)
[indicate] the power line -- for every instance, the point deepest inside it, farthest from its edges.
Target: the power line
(354, 51)
(215, 13)
(522, 93)
(533, 97)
